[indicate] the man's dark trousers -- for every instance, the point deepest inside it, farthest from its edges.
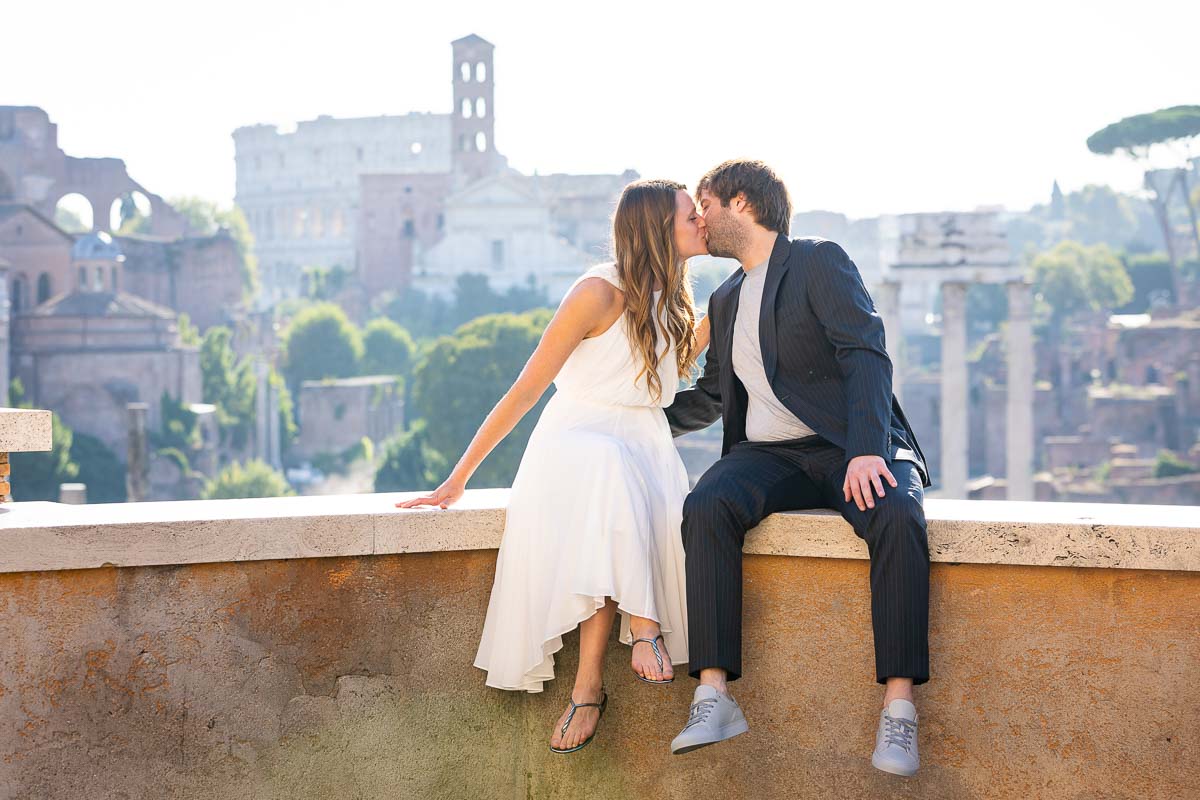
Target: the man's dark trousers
(756, 479)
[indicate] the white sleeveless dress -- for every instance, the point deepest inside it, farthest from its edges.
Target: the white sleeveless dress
(595, 512)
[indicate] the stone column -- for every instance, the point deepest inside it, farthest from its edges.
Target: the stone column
(210, 435)
(261, 413)
(1019, 433)
(889, 311)
(137, 478)
(72, 493)
(4, 334)
(955, 433)
(273, 426)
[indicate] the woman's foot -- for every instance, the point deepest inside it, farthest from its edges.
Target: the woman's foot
(648, 664)
(583, 724)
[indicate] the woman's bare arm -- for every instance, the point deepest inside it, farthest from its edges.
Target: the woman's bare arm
(587, 306)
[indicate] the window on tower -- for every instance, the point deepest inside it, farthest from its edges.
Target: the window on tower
(480, 107)
(480, 72)
(481, 142)
(466, 108)
(465, 69)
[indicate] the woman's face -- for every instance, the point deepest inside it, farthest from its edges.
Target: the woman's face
(690, 234)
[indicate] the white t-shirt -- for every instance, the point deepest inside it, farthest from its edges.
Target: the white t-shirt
(767, 419)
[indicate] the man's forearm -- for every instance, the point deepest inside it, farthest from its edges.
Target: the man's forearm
(692, 410)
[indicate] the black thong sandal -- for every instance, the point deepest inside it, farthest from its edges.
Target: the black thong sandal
(657, 655)
(575, 707)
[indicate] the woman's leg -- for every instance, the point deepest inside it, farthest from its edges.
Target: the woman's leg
(593, 639)
(644, 662)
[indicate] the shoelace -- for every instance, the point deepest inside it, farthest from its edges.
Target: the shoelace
(899, 731)
(699, 711)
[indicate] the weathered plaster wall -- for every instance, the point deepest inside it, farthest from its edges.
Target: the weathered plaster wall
(351, 677)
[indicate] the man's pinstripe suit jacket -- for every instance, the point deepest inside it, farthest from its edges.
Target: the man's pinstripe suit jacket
(823, 352)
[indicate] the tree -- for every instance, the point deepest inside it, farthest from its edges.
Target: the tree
(253, 479)
(1135, 136)
(410, 463)
(324, 283)
(287, 411)
(229, 384)
(425, 315)
(1095, 214)
(189, 334)
(206, 218)
(388, 349)
(462, 377)
(179, 429)
(99, 468)
(419, 313)
(1150, 274)
(321, 343)
(1072, 278)
(1169, 465)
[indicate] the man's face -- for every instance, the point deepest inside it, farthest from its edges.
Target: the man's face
(726, 233)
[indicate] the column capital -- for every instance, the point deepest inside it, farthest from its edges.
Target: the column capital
(954, 292)
(1020, 299)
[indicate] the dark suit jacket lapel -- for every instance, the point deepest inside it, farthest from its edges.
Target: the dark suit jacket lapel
(776, 269)
(729, 314)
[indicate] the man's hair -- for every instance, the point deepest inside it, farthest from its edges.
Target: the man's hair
(766, 194)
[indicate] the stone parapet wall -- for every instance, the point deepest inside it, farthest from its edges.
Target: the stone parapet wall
(322, 647)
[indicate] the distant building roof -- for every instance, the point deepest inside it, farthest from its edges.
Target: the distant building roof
(12, 209)
(96, 246)
(101, 304)
(472, 39)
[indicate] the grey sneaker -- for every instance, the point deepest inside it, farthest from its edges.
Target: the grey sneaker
(896, 741)
(713, 717)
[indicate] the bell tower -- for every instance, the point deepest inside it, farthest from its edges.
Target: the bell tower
(472, 117)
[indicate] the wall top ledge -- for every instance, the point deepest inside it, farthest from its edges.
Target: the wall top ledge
(36, 536)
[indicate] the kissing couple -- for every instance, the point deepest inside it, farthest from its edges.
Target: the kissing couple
(600, 520)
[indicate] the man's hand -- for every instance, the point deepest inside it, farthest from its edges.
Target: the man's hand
(862, 473)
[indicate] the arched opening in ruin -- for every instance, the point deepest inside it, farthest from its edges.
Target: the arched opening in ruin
(130, 213)
(73, 213)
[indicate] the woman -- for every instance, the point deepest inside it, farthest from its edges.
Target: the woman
(593, 521)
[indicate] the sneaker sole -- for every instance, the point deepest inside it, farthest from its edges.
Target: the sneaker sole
(893, 769)
(728, 732)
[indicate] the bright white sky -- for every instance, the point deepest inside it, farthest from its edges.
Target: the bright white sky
(862, 107)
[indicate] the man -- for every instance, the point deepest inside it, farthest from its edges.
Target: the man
(797, 370)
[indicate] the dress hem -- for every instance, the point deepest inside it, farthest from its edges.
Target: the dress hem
(541, 688)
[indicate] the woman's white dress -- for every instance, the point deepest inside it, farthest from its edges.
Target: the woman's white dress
(595, 512)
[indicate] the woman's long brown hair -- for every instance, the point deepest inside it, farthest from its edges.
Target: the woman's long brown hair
(644, 247)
